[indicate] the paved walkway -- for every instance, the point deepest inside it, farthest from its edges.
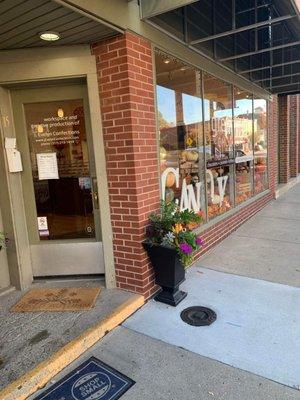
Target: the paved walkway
(257, 327)
(27, 339)
(265, 247)
(165, 372)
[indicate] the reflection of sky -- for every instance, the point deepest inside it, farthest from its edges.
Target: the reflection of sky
(192, 107)
(166, 103)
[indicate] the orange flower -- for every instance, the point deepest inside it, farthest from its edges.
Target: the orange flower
(201, 213)
(192, 225)
(177, 228)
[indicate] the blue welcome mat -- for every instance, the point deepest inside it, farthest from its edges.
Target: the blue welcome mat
(92, 380)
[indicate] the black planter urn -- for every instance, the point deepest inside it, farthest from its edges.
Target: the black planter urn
(169, 273)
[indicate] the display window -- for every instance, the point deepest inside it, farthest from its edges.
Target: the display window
(180, 119)
(212, 137)
(243, 144)
(260, 146)
(219, 152)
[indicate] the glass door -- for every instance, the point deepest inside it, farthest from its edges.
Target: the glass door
(59, 180)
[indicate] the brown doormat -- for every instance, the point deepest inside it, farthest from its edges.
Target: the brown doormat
(62, 299)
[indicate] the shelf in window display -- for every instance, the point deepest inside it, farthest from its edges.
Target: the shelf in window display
(218, 163)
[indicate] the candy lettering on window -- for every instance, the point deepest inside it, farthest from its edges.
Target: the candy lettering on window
(190, 197)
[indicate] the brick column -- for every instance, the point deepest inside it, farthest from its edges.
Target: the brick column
(298, 128)
(125, 76)
(273, 143)
(284, 139)
(294, 135)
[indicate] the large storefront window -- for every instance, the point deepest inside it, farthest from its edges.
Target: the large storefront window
(260, 146)
(213, 139)
(179, 103)
(243, 143)
(218, 131)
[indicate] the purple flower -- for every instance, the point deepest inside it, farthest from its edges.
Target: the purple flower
(186, 248)
(199, 241)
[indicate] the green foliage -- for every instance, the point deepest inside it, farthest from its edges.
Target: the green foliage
(172, 227)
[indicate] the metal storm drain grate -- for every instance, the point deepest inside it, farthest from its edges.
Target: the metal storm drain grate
(198, 316)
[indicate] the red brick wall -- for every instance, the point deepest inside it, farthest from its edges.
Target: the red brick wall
(273, 143)
(294, 135)
(125, 77)
(298, 130)
(284, 138)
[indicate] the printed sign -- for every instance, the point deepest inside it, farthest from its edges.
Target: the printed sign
(47, 166)
(43, 226)
(42, 223)
(92, 380)
(243, 159)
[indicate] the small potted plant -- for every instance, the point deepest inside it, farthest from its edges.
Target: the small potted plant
(170, 244)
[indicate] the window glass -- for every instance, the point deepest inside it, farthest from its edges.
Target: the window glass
(60, 169)
(218, 131)
(243, 143)
(260, 146)
(213, 139)
(179, 103)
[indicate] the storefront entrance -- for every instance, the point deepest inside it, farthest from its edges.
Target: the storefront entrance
(59, 181)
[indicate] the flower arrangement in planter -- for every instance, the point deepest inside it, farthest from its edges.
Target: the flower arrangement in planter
(170, 244)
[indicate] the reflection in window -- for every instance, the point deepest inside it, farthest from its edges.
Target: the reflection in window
(210, 131)
(179, 105)
(64, 202)
(243, 143)
(260, 146)
(218, 131)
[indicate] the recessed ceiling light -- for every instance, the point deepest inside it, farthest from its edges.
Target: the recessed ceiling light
(49, 36)
(166, 61)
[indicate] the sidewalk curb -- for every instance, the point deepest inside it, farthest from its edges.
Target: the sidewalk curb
(35, 379)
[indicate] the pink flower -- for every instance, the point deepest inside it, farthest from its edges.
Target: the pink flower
(186, 248)
(199, 241)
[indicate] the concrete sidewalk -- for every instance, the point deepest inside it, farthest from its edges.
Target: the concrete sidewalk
(257, 327)
(265, 247)
(165, 372)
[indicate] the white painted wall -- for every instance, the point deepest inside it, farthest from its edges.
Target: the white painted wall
(4, 274)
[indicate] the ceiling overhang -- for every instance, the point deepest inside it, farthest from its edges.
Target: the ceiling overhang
(21, 22)
(257, 39)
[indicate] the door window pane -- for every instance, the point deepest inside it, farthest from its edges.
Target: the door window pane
(260, 146)
(243, 143)
(179, 104)
(218, 131)
(57, 136)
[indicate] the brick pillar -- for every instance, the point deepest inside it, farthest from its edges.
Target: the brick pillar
(273, 143)
(125, 76)
(298, 129)
(284, 139)
(294, 135)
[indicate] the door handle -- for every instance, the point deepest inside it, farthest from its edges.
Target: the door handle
(95, 193)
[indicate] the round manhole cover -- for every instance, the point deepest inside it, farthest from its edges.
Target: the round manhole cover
(198, 316)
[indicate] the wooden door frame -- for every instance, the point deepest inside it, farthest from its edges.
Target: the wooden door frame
(30, 68)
